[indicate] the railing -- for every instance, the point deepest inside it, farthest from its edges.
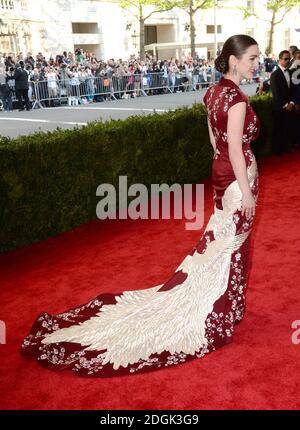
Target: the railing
(84, 90)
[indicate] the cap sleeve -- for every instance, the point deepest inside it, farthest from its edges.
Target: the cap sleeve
(206, 96)
(232, 97)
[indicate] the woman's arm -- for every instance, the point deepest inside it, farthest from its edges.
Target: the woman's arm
(235, 127)
(212, 138)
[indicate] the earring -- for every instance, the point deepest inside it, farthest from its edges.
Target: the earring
(234, 70)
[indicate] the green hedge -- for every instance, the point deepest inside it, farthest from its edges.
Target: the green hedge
(48, 180)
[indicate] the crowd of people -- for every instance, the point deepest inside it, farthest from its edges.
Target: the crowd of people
(80, 78)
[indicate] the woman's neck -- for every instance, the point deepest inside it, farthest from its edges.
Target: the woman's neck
(235, 79)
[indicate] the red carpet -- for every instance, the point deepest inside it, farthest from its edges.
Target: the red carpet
(259, 370)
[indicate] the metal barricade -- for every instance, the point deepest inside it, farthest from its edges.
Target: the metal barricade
(84, 90)
(71, 91)
(78, 90)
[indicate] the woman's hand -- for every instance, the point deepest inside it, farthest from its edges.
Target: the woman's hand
(216, 153)
(248, 205)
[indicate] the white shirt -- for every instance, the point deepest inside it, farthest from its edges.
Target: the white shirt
(286, 74)
(51, 79)
(288, 80)
(2, 78)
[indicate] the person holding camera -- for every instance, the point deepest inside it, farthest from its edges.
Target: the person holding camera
(22, 86)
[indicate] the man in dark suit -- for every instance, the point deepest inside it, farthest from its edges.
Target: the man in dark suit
(282, 103)
(22, 86)
(295, 88)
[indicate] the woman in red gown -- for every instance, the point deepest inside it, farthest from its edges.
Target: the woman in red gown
(196, 310)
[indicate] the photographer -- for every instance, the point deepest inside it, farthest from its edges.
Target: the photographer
(22, 86)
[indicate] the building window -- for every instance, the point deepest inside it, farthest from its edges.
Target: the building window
(4, 44)
(150, 34)
(24, 5)
(250, 32)
(7, 4)
(250, 5)
(210, 29)
(287, 34)
(9, 44)
(85, 27)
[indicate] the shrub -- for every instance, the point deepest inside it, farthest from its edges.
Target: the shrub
(48, 180)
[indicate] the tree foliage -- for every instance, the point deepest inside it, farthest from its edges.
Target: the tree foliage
(191, 7)
(278, 10)
(144, 9)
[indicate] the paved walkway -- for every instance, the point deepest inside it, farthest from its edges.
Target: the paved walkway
(16, 123)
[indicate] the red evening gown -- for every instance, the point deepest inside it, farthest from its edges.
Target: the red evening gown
(194, 312)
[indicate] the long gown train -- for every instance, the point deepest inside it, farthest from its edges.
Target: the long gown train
(193, 313)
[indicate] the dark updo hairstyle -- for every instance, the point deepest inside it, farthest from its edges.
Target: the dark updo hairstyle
(236, 45)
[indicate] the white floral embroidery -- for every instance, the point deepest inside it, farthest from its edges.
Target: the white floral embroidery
(48, 323)
(69, 316)
(236, 218)
(229, 97)
(238, 256)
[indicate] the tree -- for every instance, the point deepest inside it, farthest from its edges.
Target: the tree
(142, 10)
(191, 7)
(278, 10)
